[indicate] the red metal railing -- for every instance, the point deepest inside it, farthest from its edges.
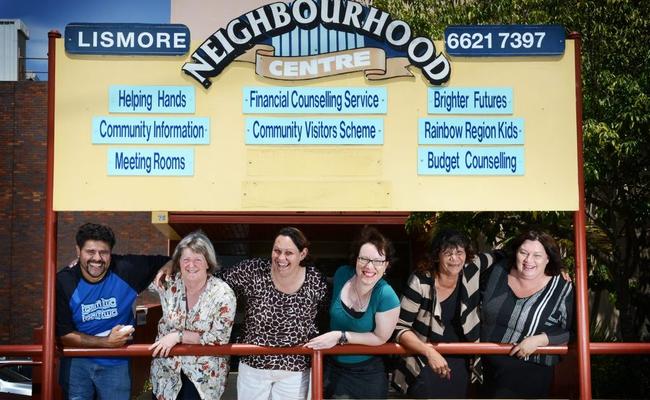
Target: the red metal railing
(141, 350)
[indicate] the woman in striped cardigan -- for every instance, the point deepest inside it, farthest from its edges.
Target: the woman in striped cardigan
(440, 304)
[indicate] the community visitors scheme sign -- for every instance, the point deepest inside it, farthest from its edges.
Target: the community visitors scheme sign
(313, 106)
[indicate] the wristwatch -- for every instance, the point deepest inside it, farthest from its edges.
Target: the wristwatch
(343, 339)
(180, 336)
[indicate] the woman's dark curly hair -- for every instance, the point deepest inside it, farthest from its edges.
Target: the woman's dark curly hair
(445, 239)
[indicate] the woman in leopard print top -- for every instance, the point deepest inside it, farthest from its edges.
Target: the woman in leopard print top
(282, 300)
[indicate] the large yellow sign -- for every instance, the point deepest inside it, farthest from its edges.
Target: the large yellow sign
(136, 134)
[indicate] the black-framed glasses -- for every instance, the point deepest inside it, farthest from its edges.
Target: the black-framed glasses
(376, 262)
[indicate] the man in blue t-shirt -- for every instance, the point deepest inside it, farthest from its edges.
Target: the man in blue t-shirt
(95, 299)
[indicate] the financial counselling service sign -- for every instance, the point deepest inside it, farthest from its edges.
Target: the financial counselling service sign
(314, 106)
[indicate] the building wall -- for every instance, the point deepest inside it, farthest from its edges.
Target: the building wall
(23, 161)
(13, 37)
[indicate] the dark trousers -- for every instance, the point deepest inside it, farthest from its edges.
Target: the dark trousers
(188, 390)
(506, 377)
(364, 380)
(429, 385)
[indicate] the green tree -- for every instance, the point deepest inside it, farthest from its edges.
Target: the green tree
(616, 121)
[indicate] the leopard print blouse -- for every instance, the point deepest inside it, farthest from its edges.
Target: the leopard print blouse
(273, 318)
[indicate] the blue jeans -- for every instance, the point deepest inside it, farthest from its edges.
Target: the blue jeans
(83, 379)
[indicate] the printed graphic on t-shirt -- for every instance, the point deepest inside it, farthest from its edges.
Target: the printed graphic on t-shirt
(101, 309)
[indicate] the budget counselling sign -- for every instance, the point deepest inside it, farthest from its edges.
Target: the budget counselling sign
(314, 106)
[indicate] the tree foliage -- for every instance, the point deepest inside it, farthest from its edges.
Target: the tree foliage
(616, 125)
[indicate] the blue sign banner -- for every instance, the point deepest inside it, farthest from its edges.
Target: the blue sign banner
(470, 100)
(150, 130)
(507, 161)
(314, 100)
(127, 39)
(504, 40)
(315, 131)
(471, 131)
(150, 162)
(151, 99)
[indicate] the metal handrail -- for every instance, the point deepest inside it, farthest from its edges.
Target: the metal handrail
(12, 363)
(317, 356)
(141, 350)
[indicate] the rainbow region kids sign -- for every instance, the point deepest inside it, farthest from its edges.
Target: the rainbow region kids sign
(313, 106)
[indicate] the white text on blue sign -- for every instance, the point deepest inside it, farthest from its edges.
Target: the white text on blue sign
(151, 130)
(505, 40)
(150, 162)
(315, 131)
(470, 101)
(127, 39)
(507, 161)
(306, 100)
(151, 99)
(471, 131)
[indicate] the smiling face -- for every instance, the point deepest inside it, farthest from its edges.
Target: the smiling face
(451, 260)
(285, 257)
(94, 259)
(194, 267)
(531, 260)
(371, 265)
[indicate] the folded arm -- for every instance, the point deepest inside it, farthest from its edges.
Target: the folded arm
(384, 325)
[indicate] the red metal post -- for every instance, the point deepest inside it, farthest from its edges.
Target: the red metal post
(317, 375)
(580, 232)
(49, 267)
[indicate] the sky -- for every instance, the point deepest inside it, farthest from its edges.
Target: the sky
(42, 16)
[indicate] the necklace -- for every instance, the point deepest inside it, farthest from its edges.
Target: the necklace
(362, 304)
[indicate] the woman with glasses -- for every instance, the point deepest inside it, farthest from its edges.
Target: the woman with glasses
(364, 310)
(440, 304)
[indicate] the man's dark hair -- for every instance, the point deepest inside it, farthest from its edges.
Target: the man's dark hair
(90, 231)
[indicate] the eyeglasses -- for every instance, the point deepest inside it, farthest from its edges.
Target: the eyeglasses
(365, 261)
(452, 253)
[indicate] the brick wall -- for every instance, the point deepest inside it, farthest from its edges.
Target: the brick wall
(23, 134)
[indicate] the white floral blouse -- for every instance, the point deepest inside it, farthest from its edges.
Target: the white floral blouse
(212, 316)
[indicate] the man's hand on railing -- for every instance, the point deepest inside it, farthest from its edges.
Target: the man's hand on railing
(118, 336)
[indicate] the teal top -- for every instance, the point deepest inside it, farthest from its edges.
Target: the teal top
(383, 298)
